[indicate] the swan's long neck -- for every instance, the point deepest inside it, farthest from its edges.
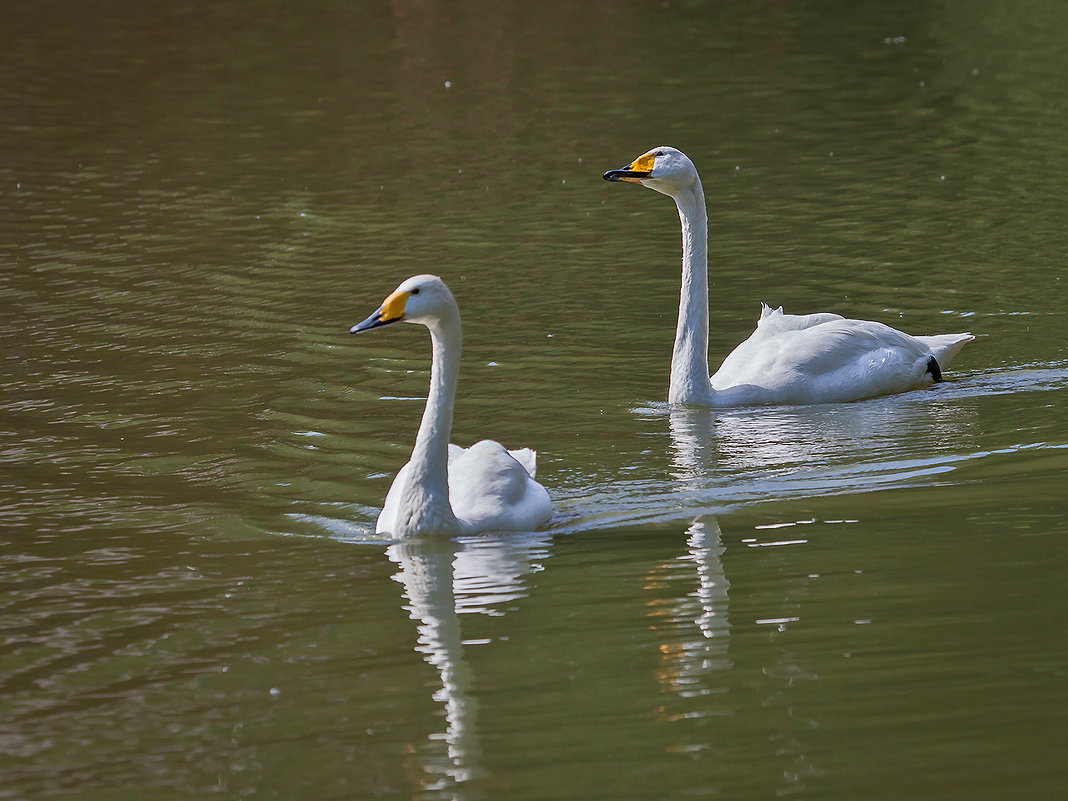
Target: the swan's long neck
(425, 506)
(689, 360)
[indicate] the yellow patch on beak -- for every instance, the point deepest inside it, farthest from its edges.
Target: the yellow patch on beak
(393, 307)
(641, 167)
(643, 163)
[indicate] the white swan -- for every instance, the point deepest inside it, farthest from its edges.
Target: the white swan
(789, 359)
(446, 489)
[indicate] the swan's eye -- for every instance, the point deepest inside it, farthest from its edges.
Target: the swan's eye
(659, 153)
(415, 291)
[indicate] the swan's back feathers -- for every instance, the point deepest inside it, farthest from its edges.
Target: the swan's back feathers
(766, 310)
(776, 320)
(528, 457)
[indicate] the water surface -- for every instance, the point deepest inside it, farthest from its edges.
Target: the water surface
(838, 602)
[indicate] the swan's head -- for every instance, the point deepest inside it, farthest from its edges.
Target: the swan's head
(664, 169)
(420, 299)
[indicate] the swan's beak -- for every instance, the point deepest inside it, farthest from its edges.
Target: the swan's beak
(633, 173)
(391, 311)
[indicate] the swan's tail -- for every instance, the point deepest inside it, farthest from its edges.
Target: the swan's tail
(945, 347)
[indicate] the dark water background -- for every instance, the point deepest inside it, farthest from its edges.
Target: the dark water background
(196, 201)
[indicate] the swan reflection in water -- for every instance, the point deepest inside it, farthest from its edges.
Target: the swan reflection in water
(693, 627)
(721, 459)
(717, 460)
(687, 660)
(695, 647)
(443, 578)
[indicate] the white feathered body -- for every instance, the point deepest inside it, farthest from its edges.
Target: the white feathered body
(826, 358)
(490, 489)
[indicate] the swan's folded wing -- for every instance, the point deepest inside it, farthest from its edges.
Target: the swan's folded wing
(490, 489)
(843, 343)
(835, 360)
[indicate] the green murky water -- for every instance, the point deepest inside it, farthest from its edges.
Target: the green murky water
(841, 602)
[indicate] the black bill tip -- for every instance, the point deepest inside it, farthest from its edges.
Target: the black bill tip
(374, 321)
(621, 175)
